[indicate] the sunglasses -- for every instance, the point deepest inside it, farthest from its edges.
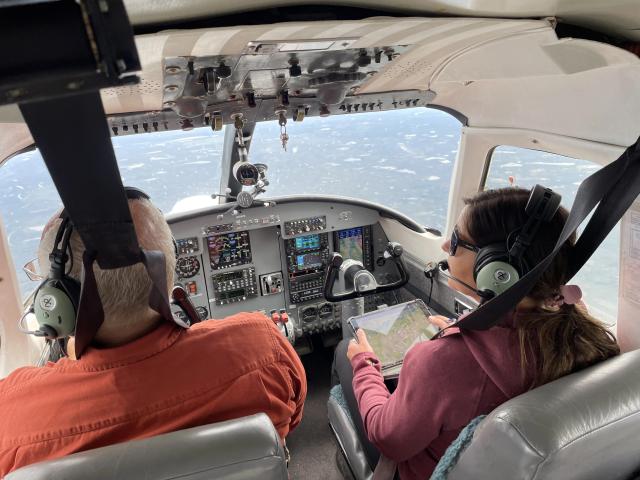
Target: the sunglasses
(456, 242)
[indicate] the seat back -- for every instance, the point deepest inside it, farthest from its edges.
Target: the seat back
(245, 448)
(583, 426)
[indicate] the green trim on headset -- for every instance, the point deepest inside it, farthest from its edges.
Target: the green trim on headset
(54, 309)
(496, 277)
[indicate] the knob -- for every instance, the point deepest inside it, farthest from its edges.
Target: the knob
(223, 70)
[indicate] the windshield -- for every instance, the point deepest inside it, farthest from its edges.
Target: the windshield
(169, 166)
(401, 159)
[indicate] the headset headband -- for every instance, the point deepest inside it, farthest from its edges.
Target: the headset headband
(499, 266)
(132, 193)
(542, 205)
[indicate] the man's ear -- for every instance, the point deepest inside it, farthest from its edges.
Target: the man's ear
(50, 223)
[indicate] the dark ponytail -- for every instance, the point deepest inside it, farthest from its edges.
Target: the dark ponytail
(554, 340)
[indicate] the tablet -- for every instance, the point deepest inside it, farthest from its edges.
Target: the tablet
(392, 331)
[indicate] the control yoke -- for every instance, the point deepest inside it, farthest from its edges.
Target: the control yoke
(357, 280)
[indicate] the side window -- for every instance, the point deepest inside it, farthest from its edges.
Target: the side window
(401, 159)
(599, 276)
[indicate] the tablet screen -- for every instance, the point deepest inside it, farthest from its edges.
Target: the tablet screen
(393, 331)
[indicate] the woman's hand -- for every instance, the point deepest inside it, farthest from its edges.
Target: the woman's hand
(439, 321)
(360, 346)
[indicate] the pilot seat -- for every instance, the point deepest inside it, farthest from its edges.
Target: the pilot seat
(583, 426)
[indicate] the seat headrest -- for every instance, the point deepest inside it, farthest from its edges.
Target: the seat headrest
(247, 447)
(583, 426)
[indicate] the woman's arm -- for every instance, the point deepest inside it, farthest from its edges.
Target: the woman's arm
(436, 389)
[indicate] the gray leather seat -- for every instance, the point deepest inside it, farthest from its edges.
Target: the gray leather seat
(583, 426)
(245, 448)
(345, 433)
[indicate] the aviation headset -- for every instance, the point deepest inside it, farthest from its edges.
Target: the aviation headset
(56, 300)
(499, 266)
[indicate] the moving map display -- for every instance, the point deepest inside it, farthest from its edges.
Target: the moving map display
(350, 244)
(393, 331)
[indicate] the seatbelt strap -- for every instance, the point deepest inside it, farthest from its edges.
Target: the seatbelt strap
(385, 469)
(612, 189)
(87, 178)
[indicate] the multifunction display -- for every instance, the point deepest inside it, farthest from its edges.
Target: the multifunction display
(229, 249)
(355, 243)
(350, 243)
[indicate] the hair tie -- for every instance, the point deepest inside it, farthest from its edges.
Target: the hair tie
(572, 294)
(569, 295)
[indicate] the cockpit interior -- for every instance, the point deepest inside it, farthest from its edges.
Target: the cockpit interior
(314, 223)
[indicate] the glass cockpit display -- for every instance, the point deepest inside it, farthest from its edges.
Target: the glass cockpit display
(229, 250)
(307, 257)
(350, 244)
(308, 242)
(355, 244)
(309, 261)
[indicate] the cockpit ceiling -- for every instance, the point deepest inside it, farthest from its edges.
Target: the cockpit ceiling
(615, 17)
(496, 73)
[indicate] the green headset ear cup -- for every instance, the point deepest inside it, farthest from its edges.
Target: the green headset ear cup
(54, 308)
(496, 277)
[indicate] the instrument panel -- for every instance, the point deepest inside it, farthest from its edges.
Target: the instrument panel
(273, 259)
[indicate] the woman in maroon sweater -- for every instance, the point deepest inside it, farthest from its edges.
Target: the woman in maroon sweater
(447, 382)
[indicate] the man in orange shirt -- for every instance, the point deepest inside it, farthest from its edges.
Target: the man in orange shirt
(143, 376)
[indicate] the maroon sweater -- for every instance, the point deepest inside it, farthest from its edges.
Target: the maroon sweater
(443, 385)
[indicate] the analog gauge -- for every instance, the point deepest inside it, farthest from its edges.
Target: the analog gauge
(203, 313)
(187, 267)
(326, 310)
(309, 314)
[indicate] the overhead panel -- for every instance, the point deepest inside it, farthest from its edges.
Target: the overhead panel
(496, 73)
(269, 79)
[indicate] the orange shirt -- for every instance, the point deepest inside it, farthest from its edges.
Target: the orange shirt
(168, 380)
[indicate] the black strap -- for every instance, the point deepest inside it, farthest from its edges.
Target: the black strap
(612, 189)
(82, 164)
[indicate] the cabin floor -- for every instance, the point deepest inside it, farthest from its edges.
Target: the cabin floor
(312, 444)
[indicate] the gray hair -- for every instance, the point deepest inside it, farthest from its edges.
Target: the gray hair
(124, 291)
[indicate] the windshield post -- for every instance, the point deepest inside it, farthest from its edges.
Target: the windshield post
(230, 157)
